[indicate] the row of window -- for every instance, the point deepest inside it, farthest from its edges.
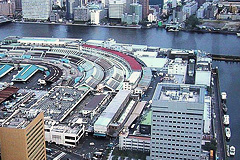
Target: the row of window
(186, 156)
(178, 122)
(175, 140)
(175, 137)
(178, 115)
(187, 130)
(176, 145)
(177, 126)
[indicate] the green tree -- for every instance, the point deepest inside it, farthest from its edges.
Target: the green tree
(210, 145)
(192, 22)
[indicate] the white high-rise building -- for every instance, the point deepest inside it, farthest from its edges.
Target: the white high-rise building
(36, 9)
(190, 8)
(96, 16)
(117, 8)
(177, 121)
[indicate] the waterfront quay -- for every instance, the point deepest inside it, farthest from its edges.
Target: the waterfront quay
(219, 132)
(226, 58)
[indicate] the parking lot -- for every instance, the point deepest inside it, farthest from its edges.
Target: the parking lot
(84, 150)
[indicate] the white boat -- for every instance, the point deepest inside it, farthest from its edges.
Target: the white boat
(228, 150)
(224, 107)
(224, 96)
(238, 34)
(232, 151)
(228, 132)
(173, 30)
(226, 119)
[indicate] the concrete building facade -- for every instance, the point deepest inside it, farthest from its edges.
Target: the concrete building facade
(145, 8)
(117, 8)
(36, 9)
(81, 14)
(23, 142)
(137, 9)
(177, 121)
(7, 8)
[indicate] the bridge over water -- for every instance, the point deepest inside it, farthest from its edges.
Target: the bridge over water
(226, 58)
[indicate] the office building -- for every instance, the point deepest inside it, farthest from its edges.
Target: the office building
(21, 138)
(54, 16)
(137, 9)
(81, 14)
(128, 3)
(18, 4)
(36, 9)
(177, 121)
(7, 8)
(96, 15)
(145, 8)
(69, 9)
(117, 8)
(190, 8)
(200, 12)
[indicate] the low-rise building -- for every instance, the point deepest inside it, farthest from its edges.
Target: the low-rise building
(112, 111)
(134, 142)
(152, 17)
(203, 71)
(132, 81)
(63, 134)
(178, 68)
(54, 17)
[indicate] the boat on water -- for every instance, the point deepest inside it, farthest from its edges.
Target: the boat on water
(226, 120)
(224, 97)
(228, 133)
(172, 27)
(232, 151)
(238, 34)
(228, 150)
(224, 107)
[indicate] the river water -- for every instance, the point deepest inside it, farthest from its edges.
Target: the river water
(213, 43)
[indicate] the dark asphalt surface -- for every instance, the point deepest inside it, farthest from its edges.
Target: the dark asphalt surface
(219, 129)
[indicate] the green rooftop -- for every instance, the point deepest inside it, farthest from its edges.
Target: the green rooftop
(147, 119)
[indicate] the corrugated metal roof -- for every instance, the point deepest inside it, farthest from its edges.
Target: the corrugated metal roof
(112, 108)
(7, 92)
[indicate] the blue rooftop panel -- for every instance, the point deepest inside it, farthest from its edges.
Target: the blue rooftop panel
(26, 72)
(4, 69)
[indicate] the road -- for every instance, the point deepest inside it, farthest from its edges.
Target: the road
(218, 120)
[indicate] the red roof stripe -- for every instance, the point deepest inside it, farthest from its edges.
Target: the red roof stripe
(132, 61)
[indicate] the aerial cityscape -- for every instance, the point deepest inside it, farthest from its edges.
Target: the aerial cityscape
(119, 79)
